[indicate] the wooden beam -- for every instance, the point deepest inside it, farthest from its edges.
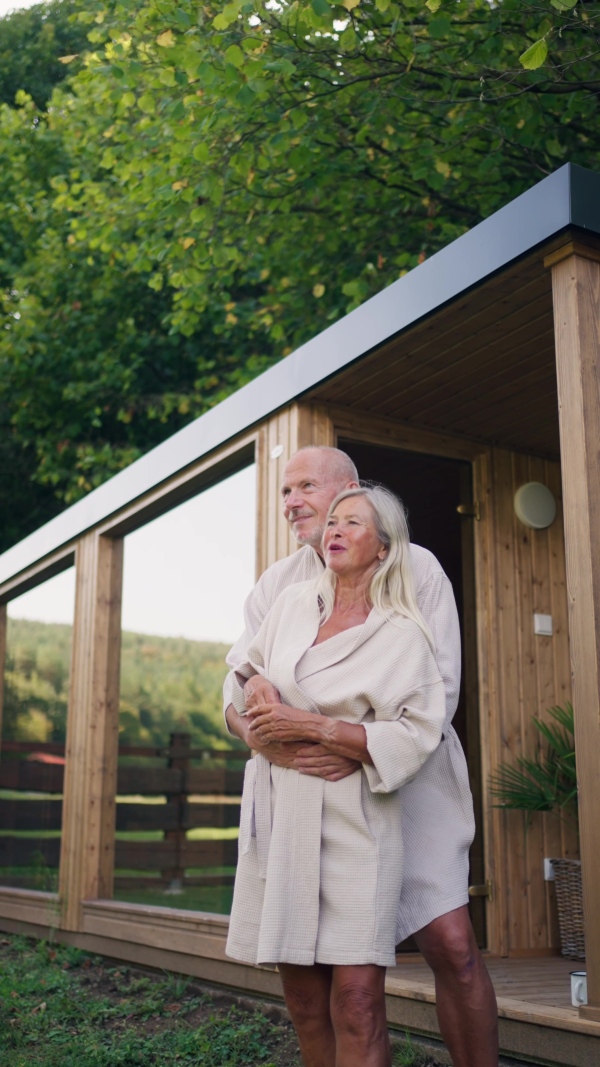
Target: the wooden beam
(392, 433)
(586, 246)
(45, 568)
(576, 292)
(205, 472)
(87, 845)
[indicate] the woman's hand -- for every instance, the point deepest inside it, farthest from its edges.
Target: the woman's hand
(259, 690)
(278, 722)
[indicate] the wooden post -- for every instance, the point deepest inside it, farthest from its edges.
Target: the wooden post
(3, 629)
(180, 744)
(576, 293)
(292, 428)
(88, 829)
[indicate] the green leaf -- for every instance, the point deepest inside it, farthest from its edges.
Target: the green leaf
(235, 56)
(349, 39)
(228, 15)
(201, 152)
(321, 7)
(439, 27)
(281, 65)
(534, 56)
(563, 5)
(433, 5)
(382, 5)
(147, 103)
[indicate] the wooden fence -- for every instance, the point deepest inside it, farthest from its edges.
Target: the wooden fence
(29, 767)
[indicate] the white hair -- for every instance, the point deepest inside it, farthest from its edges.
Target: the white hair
(392, 589)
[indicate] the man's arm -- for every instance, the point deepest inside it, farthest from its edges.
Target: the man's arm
(438, 607)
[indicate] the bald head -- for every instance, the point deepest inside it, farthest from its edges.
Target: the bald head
(337, 463)
(312, 479)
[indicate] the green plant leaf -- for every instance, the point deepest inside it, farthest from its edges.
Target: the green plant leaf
(534, 56)
(235, 56)
(439, 27)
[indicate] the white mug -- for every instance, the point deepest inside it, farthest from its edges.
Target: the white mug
(578, 988)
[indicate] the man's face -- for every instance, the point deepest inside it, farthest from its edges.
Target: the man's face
(307, 490)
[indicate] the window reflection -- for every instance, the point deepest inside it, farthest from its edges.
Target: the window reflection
(35, 699)
(186, 576)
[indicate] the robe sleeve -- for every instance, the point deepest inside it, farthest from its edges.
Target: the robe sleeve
(408, 728)
(438, 607)
(256, 609)
(252, 664)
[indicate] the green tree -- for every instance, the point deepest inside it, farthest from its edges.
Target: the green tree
(32, 42)
(218, 183)
(330, 148)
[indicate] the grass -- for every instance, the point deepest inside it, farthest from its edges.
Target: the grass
(61, 1007)
(214, 899)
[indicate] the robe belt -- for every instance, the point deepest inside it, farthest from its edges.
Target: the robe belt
(304, 804)
(262, 813)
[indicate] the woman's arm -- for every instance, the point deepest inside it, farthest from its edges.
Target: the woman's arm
(278, 722)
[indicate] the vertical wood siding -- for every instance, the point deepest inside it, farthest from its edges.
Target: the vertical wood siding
(521, 572)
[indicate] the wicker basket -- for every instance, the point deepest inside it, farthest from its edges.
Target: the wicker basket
(567, 874)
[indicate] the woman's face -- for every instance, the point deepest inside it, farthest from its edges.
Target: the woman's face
(350, 542)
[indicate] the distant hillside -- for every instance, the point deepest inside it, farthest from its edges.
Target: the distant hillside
(167, 684)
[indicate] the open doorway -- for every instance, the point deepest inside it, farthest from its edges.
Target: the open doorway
(432, 489)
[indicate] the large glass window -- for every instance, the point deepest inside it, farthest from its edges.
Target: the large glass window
(32, 754)
(186, 576)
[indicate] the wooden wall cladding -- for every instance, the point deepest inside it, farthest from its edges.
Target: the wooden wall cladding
(521, 571)
(289, 430)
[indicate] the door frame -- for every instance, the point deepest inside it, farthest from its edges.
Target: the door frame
(354, 425)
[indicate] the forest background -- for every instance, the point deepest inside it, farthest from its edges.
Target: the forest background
(189, 190)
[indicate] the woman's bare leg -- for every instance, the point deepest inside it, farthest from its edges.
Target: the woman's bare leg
(307, 993)
(358, 1016)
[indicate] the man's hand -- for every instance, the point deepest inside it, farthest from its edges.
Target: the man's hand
(321, 763)
(259, 690)
(312, 759)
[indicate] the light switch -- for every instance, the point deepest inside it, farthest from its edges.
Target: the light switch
(548, 871)
(542, 625)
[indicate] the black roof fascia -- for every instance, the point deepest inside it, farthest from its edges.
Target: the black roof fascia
(569, 197)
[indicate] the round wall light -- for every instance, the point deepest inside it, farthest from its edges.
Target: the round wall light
(535, 505)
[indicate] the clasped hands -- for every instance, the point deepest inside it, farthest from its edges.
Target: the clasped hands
(279, 732)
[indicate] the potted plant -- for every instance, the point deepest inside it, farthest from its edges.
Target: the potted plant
(549, 783)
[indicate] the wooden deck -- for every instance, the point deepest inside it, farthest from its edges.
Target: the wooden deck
(537, 1021)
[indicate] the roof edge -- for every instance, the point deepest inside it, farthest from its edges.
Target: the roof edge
(569, 196)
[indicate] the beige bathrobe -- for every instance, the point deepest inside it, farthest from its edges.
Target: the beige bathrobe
(437, 808)
(320, 863)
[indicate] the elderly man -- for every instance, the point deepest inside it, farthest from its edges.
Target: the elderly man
(433, 905)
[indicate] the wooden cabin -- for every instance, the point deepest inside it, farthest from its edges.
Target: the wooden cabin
(473, 375)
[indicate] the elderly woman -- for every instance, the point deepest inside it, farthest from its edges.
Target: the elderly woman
(320, 862)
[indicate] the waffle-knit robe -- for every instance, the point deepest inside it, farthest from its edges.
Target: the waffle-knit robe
(437, 808)
(320, 863)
